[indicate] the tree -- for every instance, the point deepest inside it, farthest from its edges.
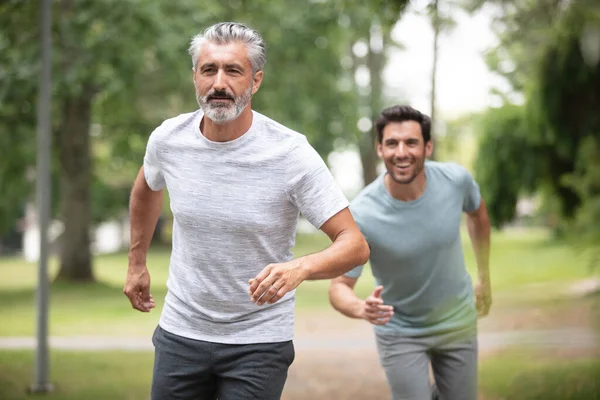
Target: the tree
(506, 163)
(562, 96)
(121, 68)
(564, 101)
(17, 113)
(101, 53)
(439, 23)
(371, 23)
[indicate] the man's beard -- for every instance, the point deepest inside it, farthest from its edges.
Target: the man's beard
(220, 113)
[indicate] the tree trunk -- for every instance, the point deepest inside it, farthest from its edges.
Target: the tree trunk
(435, 20)
(368, 158)
(76, 174)
(375, 64)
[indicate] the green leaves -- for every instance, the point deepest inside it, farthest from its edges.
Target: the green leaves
(507, 162)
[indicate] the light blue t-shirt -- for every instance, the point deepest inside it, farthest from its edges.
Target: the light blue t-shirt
(416, 251)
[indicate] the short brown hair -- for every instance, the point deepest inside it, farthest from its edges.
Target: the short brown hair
(401, 113)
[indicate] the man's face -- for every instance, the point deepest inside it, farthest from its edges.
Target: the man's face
(403, 150)
(224, 81)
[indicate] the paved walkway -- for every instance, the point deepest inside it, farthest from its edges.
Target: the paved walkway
(558, 338)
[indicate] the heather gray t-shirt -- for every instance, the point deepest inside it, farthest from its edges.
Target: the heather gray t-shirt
(235, 206)
(416, 251)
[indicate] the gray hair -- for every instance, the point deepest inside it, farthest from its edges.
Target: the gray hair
(229, 32)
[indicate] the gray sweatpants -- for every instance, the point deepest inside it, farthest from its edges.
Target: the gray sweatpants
(453, 358)
(186, 369)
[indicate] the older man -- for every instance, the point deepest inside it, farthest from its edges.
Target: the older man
(237, 183)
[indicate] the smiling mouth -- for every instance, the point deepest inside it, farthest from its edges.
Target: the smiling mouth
(221, 99)
(403, 166)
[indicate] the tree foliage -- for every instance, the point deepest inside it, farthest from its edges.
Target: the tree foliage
(564, 102)
(120, 67)
(549, 52)
(506, 162)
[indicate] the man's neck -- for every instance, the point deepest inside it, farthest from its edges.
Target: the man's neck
(227, 131)
(406, 191)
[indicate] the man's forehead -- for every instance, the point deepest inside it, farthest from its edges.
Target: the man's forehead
(235, 52)
(402, 130)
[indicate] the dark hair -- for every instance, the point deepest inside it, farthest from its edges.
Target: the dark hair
(400, 114)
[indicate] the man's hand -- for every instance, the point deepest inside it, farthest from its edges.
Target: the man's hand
(483, 297)
(375, 311)
(137, 288)
(275, 281)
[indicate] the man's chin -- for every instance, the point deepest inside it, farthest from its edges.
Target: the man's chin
(402, 179)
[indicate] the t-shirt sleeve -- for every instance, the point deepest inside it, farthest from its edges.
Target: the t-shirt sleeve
(472, 195)
(152, 168)
(355, 272)
(311, 186)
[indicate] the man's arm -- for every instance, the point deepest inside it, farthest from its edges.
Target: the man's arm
(145, 206)
(347, 250)
(344, 299)
(478, 225)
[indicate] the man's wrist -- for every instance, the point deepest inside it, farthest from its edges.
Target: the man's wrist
(359, 311)
(137, 260)
(484, 277)
(305, 267)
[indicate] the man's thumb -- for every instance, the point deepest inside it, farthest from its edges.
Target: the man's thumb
(377, 291)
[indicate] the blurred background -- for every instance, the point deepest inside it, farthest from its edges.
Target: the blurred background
(513, 88)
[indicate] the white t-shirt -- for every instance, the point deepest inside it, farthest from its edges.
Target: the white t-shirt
(235, 206)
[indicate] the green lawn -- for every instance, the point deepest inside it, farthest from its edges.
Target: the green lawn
(126, 375)
(519, 259)
(533, 376)
(101, 309)
(80, 376)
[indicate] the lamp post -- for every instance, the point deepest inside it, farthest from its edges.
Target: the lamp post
(41, 383)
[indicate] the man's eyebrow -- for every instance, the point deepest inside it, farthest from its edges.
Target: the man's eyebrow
(228, 65)
(208, 65)
(235, 66)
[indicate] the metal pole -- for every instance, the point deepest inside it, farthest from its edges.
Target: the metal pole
(41, 383)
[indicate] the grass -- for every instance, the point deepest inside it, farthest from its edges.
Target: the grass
(530, 376)
(126, 375)
(517, 259)
(80, 376)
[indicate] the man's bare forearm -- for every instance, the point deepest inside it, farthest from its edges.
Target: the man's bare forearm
(145, 206)
(343, 298)
(479, 232)
(347, 251)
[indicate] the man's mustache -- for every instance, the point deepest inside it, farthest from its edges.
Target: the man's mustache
(220, 95)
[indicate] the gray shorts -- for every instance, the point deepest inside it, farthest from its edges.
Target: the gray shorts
(186, 369)
(453, 358)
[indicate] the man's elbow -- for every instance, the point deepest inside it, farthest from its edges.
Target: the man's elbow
(363, 252)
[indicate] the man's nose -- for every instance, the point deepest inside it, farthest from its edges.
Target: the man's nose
(401, 150)
(220, 82)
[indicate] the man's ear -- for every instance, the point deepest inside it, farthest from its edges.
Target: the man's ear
(380, 150)
(429, 148)
(257, 81)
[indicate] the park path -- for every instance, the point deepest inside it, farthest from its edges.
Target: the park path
(576, 337)
(328, 330)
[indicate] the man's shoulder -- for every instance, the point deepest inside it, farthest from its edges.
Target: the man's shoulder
(449, 171)
(273, 130)
(176, 123)
(367, 196)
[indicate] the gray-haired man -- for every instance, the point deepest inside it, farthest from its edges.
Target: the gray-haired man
(237, 182)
